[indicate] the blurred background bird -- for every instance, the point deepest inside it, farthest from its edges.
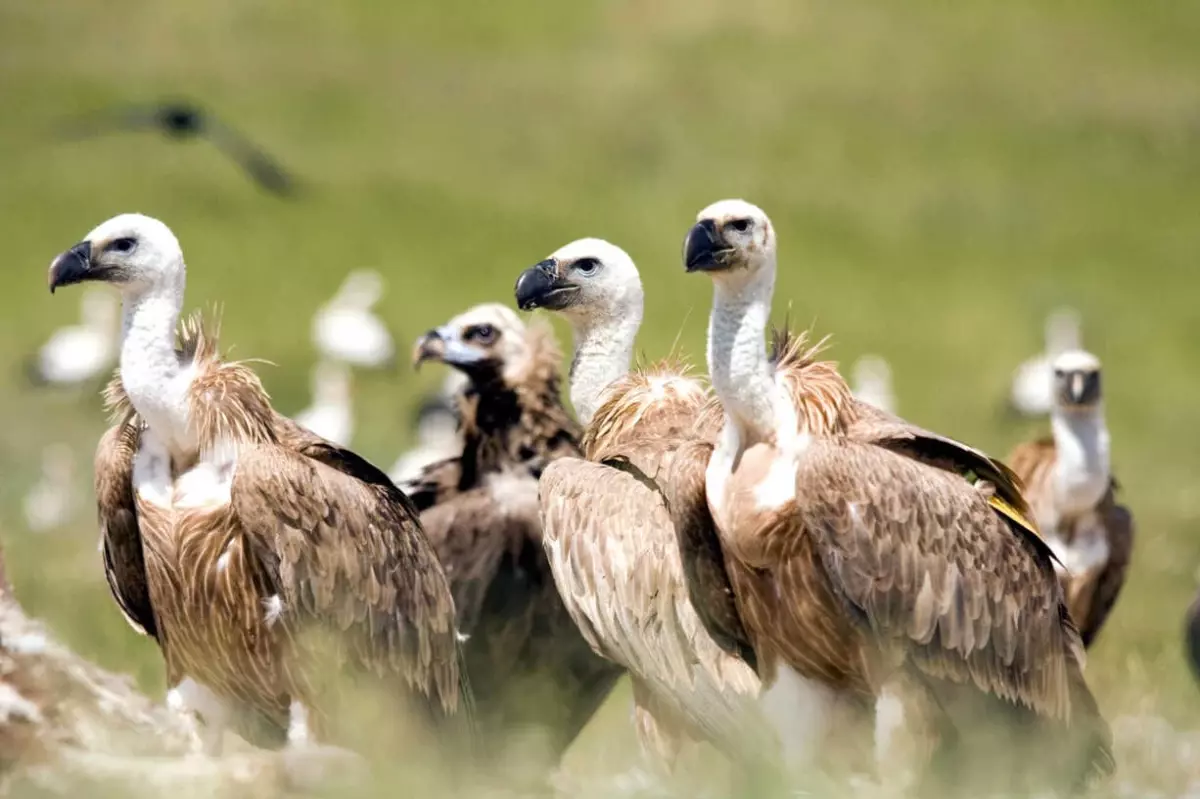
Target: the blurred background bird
(80, 353)
(345, 329)
(331, 414)
(52, 501)
(182, 121)
(1032, 391)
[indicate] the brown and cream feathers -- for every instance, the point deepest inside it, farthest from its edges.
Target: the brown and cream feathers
(313, 564)
(529, 666)
(1091, 592)
(618, 565)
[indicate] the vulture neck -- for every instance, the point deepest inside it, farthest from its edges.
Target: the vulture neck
(603, 354)
(1081, 468)
(154, 381)
(740, 371)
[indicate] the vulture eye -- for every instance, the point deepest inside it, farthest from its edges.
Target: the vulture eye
(741, 225)
(1059, 373)
(587, 266)
(484, 334)
(125, 245)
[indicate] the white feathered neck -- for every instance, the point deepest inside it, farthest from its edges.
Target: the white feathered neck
(1082, 467)
(604, 343)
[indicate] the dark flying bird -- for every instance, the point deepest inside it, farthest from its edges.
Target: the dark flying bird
(535, 679)
(262, 558)
(180, 120)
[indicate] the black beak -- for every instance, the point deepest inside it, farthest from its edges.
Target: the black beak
(539, 286)
(701, 250)
(429, 347)
(73, 266)
(1083, 388)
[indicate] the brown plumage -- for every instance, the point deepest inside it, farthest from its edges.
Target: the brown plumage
(879, 560)
(625, 577)
(609, 533)
(530, 668)
(311, 536)
(1074, 499)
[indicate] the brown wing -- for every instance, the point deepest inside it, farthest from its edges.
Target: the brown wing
(471, 534)
(925, 560)
(1119, 530)
(120, 538)
(703, 559)
(343, 548)
(436, 483)
(616, 563)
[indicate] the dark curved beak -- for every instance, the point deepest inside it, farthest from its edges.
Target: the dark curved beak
(429, 347)
(445, 344)
(73, 266)
(702, 250)
(539, 286)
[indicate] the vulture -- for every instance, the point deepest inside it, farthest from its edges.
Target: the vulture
(876, 564)
(531, 671)
(872, 382)
(1069, 484)
(607, 523)
(80, 353)
(264, 560)
(331, 415)
(1032, 391)
(345, 329)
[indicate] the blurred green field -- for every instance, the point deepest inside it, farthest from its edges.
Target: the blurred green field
(940, 177)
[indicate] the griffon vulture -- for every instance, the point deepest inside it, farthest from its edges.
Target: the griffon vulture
(873, 561)
(608, 530)
(259, 556)
(531, 671)
(1069, 485)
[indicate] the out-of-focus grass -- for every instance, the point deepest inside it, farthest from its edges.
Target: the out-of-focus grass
(940, 177)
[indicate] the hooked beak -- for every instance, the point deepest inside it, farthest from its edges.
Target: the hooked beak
(702, 250)
(73, 266)
(444, 344)
(539, 286)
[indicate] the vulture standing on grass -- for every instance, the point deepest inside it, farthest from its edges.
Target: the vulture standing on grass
(608, 529)
(530, 669)
(261, 558)
(1069, 484)
(874, 561)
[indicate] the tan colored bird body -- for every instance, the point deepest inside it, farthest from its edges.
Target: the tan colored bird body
(874, 560)
(1068, 480)
(266, 562)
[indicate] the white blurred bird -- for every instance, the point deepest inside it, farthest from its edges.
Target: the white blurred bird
(872, 382)
(51, 501)
(345, 329)
(436, 431)
(331, 414)
(1032, 392)
(83, 352)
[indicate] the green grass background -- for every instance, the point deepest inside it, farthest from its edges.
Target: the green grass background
(940, 177)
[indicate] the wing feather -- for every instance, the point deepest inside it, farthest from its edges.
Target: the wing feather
(343, 548)
(616, 562)
(120, 537)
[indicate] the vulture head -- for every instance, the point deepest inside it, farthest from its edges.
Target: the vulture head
(587, 281)
(135, 253)
(485, 342)
(730, 237)
(1076, 381)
